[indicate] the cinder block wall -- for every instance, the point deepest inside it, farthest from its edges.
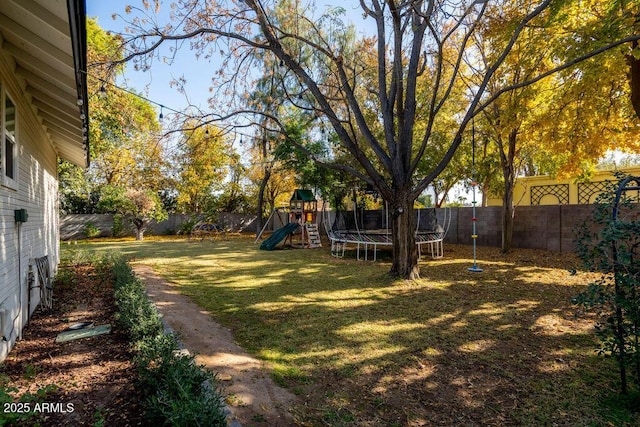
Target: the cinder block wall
(73, 226)
(536, 227)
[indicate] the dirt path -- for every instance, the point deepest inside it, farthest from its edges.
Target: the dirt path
(253, 397)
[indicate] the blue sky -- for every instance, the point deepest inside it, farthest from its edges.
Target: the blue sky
(155, 84)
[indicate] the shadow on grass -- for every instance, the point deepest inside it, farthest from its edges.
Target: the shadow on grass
(498, 348)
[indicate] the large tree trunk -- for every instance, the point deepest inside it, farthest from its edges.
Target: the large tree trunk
(263, 184)
(260, 207)
(508, 210)
(403, 227)
(484, 188)
(139, 226)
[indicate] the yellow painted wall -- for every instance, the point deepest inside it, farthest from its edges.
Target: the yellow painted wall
(545, 190)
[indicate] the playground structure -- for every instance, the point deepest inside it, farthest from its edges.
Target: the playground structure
(302, 215)
(371, 231)
(205, 230)
(367, 232)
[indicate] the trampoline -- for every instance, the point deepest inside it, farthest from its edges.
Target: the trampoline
(371, 231)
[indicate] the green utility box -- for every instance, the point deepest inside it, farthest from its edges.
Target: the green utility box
(21, 215)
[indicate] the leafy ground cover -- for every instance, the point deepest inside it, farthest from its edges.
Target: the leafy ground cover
(501, 347)
(91, 381)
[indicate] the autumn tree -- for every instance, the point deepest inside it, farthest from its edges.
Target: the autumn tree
(202, 158)
(591, 108)
(124, 130)
(235, 196)
(138, 206)
(509, 119)
(271, 184)
(564, 124)
(409, 40)
(125, 146)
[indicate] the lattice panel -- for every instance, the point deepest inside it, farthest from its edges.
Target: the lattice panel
(586, 190)
(560, 191)
(633, 196)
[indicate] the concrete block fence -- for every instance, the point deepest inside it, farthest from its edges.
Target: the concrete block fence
(536, 227)
(72, 227)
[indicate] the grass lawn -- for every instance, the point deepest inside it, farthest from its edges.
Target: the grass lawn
(501, 347)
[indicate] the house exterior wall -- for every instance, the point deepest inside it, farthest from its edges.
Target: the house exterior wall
(35, 190)
(547, 191)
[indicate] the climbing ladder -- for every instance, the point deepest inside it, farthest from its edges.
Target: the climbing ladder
(313, 235)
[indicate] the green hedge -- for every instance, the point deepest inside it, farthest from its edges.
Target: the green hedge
(177, 392)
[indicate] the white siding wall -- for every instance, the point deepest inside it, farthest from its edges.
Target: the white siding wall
(37, 193)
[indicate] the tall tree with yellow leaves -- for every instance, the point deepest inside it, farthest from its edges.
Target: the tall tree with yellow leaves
(125, 145)
(563, 124)
(590, 110)
(202, 159)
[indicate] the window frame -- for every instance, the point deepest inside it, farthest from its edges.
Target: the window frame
(6, 180)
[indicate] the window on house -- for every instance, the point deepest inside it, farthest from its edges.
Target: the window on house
(9, 137)
(9, 147)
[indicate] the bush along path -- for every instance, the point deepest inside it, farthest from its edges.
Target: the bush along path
(252, 395)
(89, 381)
(134, 375)
(177, 391)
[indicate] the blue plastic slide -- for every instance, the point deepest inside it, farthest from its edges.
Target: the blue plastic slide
(278, 236)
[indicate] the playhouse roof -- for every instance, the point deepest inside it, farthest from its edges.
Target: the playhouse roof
(303, 195)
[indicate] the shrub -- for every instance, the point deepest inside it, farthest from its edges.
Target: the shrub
(187, 226)
(609, 243)
(135, 312)
(90, 230)
(177, 392)
(122, 273)
(118, 229)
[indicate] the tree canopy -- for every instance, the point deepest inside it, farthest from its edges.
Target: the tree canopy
(389, 97)
(123, 133)
(203, 158)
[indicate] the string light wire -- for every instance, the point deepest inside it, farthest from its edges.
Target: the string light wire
(103, 91)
